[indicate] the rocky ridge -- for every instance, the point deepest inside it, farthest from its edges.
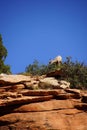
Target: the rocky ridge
(41, 103)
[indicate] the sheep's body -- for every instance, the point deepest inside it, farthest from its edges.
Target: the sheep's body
(56, 60)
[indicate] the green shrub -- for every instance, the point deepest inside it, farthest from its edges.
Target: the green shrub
(75, 72)
(3, 54)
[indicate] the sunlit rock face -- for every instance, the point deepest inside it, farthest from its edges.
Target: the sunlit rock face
(52, 83)
(41, 103)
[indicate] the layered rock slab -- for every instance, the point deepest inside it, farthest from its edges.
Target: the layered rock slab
(45, 112)
(55, 109)
(53, 114)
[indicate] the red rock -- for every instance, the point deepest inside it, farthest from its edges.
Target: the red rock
(56, 109)
(84, 98)
(75, 91)
(54, 114)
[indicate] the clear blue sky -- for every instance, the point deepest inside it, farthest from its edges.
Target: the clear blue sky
(43, 29)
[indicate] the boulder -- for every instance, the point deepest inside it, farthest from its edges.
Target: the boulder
(33, 84)
(64, 84)
(52, 83)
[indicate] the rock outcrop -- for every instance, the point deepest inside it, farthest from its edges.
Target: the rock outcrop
(32, 82)
(24, 107)
(52, 83)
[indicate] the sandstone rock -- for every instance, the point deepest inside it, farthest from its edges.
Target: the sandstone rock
(64, 84)
(48, 115)
(12, 79)
(43, 109)
(66, 96)
(84, 98)
(81, 106)
(18, 86)
(33, 84)
(52, 83)
(12, 88)
(24, 100)
(42, 92)
(9, 94)
(75, 91)
(2, 90)
(57, 93)
(46, 106)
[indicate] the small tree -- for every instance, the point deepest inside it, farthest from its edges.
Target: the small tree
(75, 73)
(3, 53)
(33, 69)
(36, 68)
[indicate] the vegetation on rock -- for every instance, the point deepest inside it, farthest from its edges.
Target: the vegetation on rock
(75, 72)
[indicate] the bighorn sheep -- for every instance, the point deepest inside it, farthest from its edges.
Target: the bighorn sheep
(56, 60)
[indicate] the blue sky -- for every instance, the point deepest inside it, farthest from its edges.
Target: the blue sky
(43, 29)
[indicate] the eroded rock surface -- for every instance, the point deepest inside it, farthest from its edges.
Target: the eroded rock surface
(42, 109)
(51, 82)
